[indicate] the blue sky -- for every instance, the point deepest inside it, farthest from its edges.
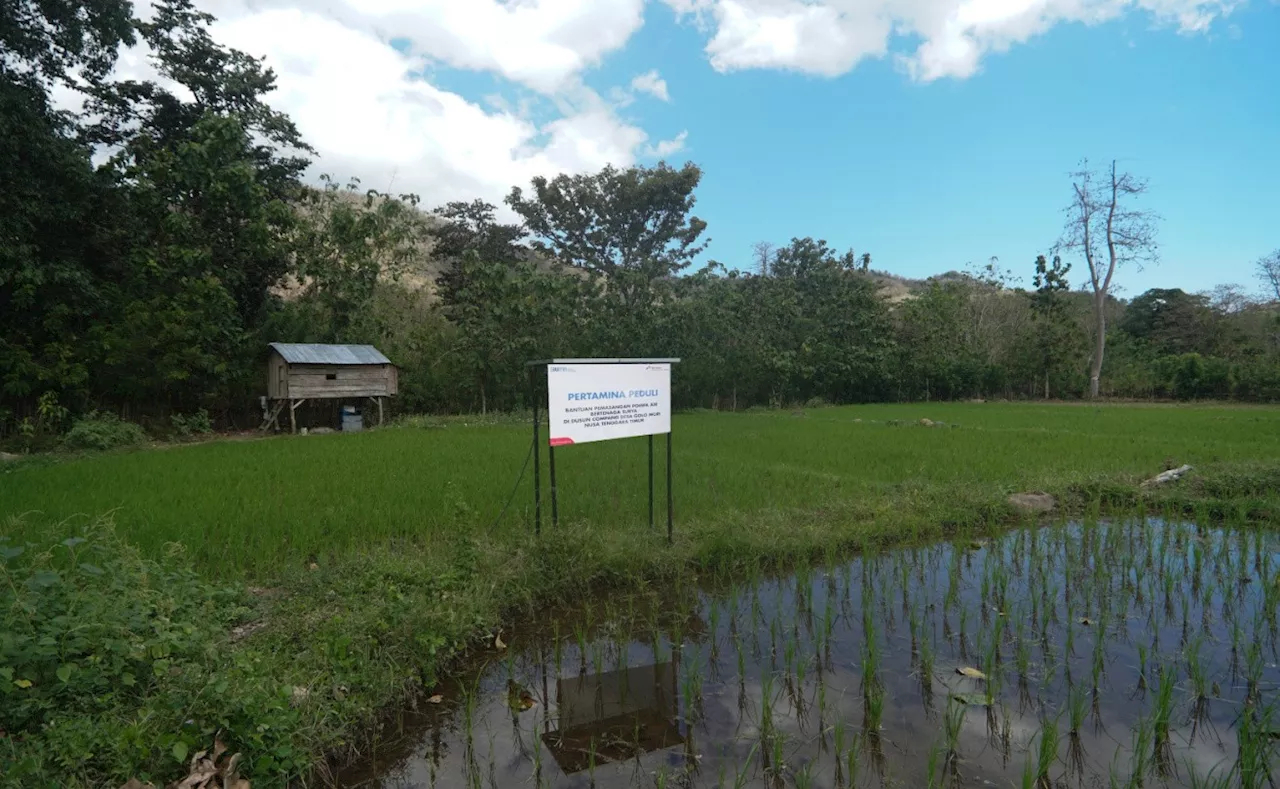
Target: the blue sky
(928, 177)
(930, 133)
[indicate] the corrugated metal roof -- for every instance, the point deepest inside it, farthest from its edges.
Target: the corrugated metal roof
(317, 353)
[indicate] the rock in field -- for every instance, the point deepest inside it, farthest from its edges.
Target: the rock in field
(1032, 503)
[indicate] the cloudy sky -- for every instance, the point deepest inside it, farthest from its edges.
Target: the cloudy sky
(930, 133)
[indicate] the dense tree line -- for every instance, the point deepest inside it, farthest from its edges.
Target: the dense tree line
(155, 239)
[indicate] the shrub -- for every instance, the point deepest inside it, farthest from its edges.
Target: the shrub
(103, 431)
(105, 658)
(197, 424)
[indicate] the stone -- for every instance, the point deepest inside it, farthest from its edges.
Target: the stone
(926, 423)
(1032, 503)
(6, 457)
(322, 431)
(1172, 475)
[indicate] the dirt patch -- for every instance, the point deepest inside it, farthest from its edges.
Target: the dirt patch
(1032, 503)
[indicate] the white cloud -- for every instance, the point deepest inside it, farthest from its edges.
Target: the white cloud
(369, 112)
(652, 84)
(542, 44)
(666, 148)
(830, 37)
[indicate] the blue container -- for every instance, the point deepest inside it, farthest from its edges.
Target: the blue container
(352, 420)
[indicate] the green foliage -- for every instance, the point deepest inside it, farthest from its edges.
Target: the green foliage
(103, 431)
(189, 425)
(346, 244)
(91, 632)
(632, 226)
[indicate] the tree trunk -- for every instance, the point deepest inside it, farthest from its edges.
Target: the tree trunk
(1046, 384)
(484, 410)
(1100, 342)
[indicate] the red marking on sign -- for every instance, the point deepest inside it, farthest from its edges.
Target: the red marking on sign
(559, 442)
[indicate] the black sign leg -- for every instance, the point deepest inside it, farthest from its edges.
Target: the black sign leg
(651, 481)
(555, 505)
(671, 502)
(537, 461)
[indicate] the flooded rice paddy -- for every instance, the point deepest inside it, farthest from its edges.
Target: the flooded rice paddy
(1127, 654)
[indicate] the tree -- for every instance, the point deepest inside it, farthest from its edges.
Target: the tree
(630, 226)
(1269, 273)
(1055, 327)
(472, 228)
(43, 41)
(762, 257)
(50, 200)
(1171, 321)
(220, 80)
(1108, 232)
(346, 243)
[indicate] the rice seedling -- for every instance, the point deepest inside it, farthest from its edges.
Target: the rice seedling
(1161, 717)
(933, 767)
(1255, 733)
(952, 725)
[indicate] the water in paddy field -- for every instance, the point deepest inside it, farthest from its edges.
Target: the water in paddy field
(1140, 654)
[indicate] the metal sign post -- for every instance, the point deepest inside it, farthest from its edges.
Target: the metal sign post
(620, 398)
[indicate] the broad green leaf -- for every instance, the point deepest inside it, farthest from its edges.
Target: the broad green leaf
(72, 542)
(44, 579)
(64, 672)
(90, 569)
(180, 751)
(22, 683)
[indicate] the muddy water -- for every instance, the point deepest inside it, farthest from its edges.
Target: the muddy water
(1107, 655)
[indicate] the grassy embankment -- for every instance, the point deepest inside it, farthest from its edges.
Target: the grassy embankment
(356, 566)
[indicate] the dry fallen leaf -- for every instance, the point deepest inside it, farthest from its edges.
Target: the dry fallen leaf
(970, 672)
(134, 783)
(436, 699)
(498, 643)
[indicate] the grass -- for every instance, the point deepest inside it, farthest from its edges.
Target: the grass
(375, 559)
(253, 505)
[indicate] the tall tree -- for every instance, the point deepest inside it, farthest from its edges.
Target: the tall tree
(42, 41)
(1055, 329)
(762, 257)
(631, 226)
(1269, 273)
(220, 80)
(1105, 228)
(50, 199)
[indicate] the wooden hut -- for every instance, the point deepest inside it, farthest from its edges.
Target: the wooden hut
(297, 372)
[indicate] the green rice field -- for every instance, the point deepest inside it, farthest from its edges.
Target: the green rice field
(261, 502)
(299, 599)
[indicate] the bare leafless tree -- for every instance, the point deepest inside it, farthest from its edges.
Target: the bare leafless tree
(1269, 273)
(1106, 230)
(1229, 298)
(762, 257)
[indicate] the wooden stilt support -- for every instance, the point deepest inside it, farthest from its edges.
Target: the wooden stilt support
(293, 417)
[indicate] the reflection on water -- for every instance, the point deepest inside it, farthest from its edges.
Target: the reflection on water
(614, 716)
(1127, 655)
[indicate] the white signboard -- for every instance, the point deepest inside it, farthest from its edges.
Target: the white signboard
(597, 402)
